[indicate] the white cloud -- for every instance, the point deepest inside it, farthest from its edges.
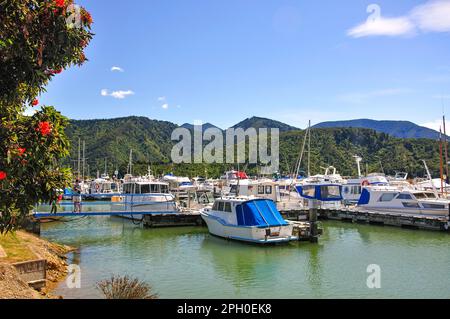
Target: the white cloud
(433, 16)
(360, 97)
(383, 26)
(117, 69)
(117, 94)
(165, 106)
(162, 99)
(437, 124)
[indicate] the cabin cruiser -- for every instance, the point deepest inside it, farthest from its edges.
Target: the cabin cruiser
(391, 199)
(285, 198)
(325, 189)
(247, 219)
(144, 195)
(352, 189)
(103, 188)
(178, 184)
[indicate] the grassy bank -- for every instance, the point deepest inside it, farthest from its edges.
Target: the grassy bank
(21, 246)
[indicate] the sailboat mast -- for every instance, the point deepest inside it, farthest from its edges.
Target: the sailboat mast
(441, 166)
(446, 149)
(309, 149)
(79, 158)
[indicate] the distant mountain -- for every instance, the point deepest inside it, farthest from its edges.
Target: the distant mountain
(259, 122)
(150, 140)
(401, 129)
(204, 127)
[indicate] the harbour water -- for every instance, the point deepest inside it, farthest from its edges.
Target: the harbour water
(189, 263)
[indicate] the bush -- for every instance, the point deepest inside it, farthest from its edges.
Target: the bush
(125, 288)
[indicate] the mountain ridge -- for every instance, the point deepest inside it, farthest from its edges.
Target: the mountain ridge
(400, 129)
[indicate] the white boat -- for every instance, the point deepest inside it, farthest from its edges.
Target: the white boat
(144, 195)
(325, 189)
(394, 200)
(247, 219)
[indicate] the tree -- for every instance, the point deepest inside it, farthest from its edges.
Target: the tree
(38, 40)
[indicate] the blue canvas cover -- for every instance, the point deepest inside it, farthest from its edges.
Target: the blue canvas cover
(320, 192)
(259, 213)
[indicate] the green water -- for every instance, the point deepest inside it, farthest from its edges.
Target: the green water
(189, 263)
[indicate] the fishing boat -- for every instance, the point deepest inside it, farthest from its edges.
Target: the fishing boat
(391, 199)
(247, 219)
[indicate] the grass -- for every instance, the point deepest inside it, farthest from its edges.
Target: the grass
(15, 248)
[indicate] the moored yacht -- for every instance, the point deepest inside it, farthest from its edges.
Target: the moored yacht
(145, 195)
(247, 219)
(396, 200)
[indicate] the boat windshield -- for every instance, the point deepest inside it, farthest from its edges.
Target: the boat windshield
(424, 195)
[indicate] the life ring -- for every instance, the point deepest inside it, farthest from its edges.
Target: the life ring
(365, 183)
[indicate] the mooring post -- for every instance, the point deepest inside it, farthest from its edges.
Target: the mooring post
(313, 236)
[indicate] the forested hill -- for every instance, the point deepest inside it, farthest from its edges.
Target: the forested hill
(151, 143)
(401, 129)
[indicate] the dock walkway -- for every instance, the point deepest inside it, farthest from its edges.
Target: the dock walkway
(350, 214)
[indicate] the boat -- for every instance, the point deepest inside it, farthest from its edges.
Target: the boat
(352, 188)
(326, 189)
(247, 219)
(103, 188)
(405, 201)
(144, 195)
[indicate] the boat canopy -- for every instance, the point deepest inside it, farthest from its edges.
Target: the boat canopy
(325, 193)
(259, 213)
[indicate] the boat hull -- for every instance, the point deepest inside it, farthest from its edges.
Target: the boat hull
(262, 236)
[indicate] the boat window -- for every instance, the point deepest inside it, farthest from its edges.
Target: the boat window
(309, 191)
(404, 197)
(216, 206)
(221, 205)
(387, 197)
(164, 189)
(260, 190)
(268, 189)
(154, 188)
(433, 206)
(411, 205)
(356, 190)
(423, 195)
(145, 189)
(330, 192)
(137, 189)
(228, 207)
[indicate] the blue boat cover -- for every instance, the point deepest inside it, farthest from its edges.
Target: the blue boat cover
(259, 213)
(321, 192)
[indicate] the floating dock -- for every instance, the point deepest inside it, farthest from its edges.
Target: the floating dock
(425, 222)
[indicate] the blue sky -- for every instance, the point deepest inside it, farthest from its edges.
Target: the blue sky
(222, 61)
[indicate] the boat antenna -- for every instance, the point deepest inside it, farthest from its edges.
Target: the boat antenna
(299, 163)
(430, 179)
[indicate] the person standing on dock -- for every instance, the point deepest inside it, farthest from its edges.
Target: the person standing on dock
(76, 198)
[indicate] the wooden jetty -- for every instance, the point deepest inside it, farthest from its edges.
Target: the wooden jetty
(184, 218)
(350, 214)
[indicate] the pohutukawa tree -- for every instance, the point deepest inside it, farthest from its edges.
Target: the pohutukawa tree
(38, 40)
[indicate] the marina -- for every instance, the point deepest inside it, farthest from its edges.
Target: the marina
(180, 262)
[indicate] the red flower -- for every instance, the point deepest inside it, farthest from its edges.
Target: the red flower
(86, 17)
(21, 151)
(35, 102)
(60, 3)
(45, 128)
(3, 175)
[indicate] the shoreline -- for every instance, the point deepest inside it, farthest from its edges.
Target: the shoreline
(22, 246)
